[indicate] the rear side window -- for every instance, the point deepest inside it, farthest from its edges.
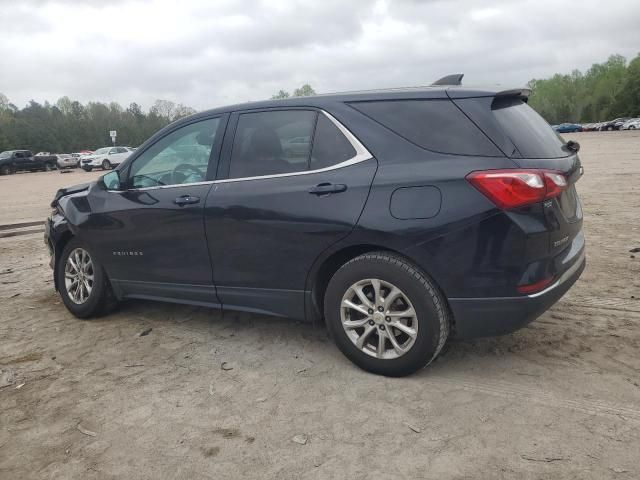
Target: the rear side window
(529, 132)
(269, 143)
(330, 146)
(436, 125)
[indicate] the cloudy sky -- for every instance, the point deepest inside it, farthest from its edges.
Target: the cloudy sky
(207, 53)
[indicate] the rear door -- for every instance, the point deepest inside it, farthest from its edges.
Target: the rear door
(292, 183)
(120, 155)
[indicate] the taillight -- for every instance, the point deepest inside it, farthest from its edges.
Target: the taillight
(516, 188)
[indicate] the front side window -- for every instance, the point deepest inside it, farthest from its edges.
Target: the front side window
(269, 143)
(178, 158)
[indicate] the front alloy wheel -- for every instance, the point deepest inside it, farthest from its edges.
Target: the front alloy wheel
(379, 318)
(78, 276)
(82, 282)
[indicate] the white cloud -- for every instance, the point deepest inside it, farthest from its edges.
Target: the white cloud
(207, 54)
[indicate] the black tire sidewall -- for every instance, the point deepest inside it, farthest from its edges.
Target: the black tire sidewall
(93, 305)
(106, 165)
(427, 302)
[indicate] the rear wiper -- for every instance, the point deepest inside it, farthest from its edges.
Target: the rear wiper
(572, 145)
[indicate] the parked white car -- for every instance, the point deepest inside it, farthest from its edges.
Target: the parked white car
(632, 124)
(105, 158)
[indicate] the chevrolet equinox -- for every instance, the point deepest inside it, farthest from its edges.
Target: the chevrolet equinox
(402, 217)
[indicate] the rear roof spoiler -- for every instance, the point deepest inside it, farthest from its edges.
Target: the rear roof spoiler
(522, 93)
(454, 79)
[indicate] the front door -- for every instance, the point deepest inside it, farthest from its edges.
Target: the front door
(295, 184)
(153, 230)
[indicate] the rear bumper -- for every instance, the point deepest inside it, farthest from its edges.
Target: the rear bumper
(483, 317)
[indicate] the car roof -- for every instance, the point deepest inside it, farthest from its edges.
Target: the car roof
(420, 92)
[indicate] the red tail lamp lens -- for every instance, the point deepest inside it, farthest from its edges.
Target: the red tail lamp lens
(516, 188)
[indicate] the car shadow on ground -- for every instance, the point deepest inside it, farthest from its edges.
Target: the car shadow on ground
(214, 325)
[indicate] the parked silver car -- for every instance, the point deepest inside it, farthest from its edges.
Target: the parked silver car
(68, 160)
(631, 124)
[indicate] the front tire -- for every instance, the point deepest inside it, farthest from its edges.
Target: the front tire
(385, 314)
(106, 165)
(87, 169)
(82, 282)
(6, 170)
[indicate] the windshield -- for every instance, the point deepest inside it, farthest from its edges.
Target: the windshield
(5, 155)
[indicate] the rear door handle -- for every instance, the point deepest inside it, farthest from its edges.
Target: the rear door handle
(186, 200)
(327, 188)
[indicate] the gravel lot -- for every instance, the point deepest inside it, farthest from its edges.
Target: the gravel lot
(206, 395)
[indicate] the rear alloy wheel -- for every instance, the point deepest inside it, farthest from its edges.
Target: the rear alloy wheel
(82, 282)
(106, 165)
(378, 318)
(385, 314)
(632, 127)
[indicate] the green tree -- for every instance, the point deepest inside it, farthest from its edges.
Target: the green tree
(305, 90)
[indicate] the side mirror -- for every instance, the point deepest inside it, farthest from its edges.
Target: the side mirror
(111, 180)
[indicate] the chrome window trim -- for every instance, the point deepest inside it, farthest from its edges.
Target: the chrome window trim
(361, 155)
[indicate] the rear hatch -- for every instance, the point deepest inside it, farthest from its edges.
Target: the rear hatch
(530, 142)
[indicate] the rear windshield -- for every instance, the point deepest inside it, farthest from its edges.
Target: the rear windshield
(436, 125)
(529, 132)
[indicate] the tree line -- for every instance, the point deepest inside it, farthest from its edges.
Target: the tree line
(605, 91)
(69, 126)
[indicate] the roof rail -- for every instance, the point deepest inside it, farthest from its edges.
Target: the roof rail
(455, 79)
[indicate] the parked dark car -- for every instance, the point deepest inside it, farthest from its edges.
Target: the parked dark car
(614, 124)
(567, 127)
(12, 161)
(412, 216)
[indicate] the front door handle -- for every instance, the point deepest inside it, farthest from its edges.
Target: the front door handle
(327, 188)
(186, 200)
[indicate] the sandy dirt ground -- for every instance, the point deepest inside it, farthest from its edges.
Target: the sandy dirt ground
(559, 399)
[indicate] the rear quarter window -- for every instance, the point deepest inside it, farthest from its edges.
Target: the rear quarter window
(435, 125)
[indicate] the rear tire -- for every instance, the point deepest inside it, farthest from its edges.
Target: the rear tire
(91, 294)
(48, 167)
(418, 336)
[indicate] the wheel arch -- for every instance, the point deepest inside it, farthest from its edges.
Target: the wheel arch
(61, 242)
(321, 274)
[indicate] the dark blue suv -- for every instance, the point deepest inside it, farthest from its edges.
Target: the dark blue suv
(402, 217)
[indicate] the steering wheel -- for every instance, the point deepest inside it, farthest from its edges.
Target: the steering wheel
(181, 169)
